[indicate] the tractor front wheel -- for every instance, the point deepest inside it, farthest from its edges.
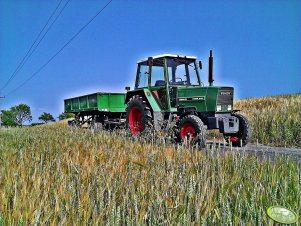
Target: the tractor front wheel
(138, 115)
(192, 131)
(243, 136)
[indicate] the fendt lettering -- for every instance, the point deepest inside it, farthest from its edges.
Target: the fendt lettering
(168, 89)
(225, 93)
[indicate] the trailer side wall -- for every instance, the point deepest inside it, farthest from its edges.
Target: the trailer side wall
(108, 102)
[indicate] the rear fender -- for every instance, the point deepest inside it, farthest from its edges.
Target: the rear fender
(148, 96)
(156, 110)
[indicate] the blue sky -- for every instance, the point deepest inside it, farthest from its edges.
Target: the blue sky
(256, 46)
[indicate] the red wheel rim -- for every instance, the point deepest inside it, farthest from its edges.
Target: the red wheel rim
(188, 130)
(135, 120)
(234, 139)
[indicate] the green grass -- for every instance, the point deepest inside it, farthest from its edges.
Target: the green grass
(58, 176)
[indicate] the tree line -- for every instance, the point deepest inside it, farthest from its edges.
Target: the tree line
(20, 114)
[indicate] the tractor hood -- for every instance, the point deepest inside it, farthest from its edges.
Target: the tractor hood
(212, 98)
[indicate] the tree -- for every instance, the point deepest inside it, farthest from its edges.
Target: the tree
(46, 117)
(22, 114)
(8, 118)
(66, 115)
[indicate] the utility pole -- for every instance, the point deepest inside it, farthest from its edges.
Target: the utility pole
(1, 112)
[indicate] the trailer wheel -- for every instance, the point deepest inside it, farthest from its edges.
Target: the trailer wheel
(74, 123)
(95, 126)
(138, 115)
(192, 131)
(243, 136)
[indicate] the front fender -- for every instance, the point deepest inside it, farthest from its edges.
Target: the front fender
(183, 111)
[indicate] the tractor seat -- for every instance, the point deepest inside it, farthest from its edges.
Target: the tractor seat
(160, 83)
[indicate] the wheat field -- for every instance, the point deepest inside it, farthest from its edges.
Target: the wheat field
(61, 176)
(275, 120)
(55, 175)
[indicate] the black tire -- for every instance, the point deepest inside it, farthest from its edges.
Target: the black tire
(192, 125)
(243, 136)
(138, 115)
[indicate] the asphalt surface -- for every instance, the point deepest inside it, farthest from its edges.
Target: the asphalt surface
(261, 150)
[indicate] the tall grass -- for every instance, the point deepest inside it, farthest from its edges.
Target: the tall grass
(275, 120)
(57, 176)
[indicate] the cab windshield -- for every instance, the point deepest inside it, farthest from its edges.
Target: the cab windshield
(182, 72)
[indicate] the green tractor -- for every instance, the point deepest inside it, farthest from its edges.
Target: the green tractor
(168, 89)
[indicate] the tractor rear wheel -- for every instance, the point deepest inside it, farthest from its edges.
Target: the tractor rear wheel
(192, 131)
(243, 136)
(138, 115)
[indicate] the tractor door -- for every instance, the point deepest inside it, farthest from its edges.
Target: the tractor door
(181, 73)
(158, 83)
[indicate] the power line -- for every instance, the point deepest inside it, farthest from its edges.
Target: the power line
(27, 56)
(60, 50)
(25, 59)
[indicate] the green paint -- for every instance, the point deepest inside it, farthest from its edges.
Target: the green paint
(166, 77)
(211, 97)
(151, 100)
(207, 97)
(110, 102)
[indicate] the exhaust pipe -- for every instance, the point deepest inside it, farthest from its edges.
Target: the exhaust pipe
(210, 71)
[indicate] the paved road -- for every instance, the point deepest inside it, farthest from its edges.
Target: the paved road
(262, 150)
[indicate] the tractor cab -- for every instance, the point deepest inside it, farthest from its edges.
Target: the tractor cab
(162, 75)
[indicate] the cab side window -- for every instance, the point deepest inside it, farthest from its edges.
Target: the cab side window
(157, 76)
(142, 76)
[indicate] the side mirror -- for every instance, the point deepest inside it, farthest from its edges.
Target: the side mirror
(200, 65)
(127, 88)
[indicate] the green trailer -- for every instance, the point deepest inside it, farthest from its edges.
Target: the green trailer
(102, 108)
(168, 88)
(102, 102)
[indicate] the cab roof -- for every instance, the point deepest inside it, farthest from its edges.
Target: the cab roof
(168, 55)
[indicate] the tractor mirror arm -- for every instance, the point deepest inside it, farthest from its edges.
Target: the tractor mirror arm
(200, 65)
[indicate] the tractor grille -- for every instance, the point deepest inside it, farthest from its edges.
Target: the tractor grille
(225, 96)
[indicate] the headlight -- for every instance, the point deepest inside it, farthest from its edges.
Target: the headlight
(229, 108)
(218, 107)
